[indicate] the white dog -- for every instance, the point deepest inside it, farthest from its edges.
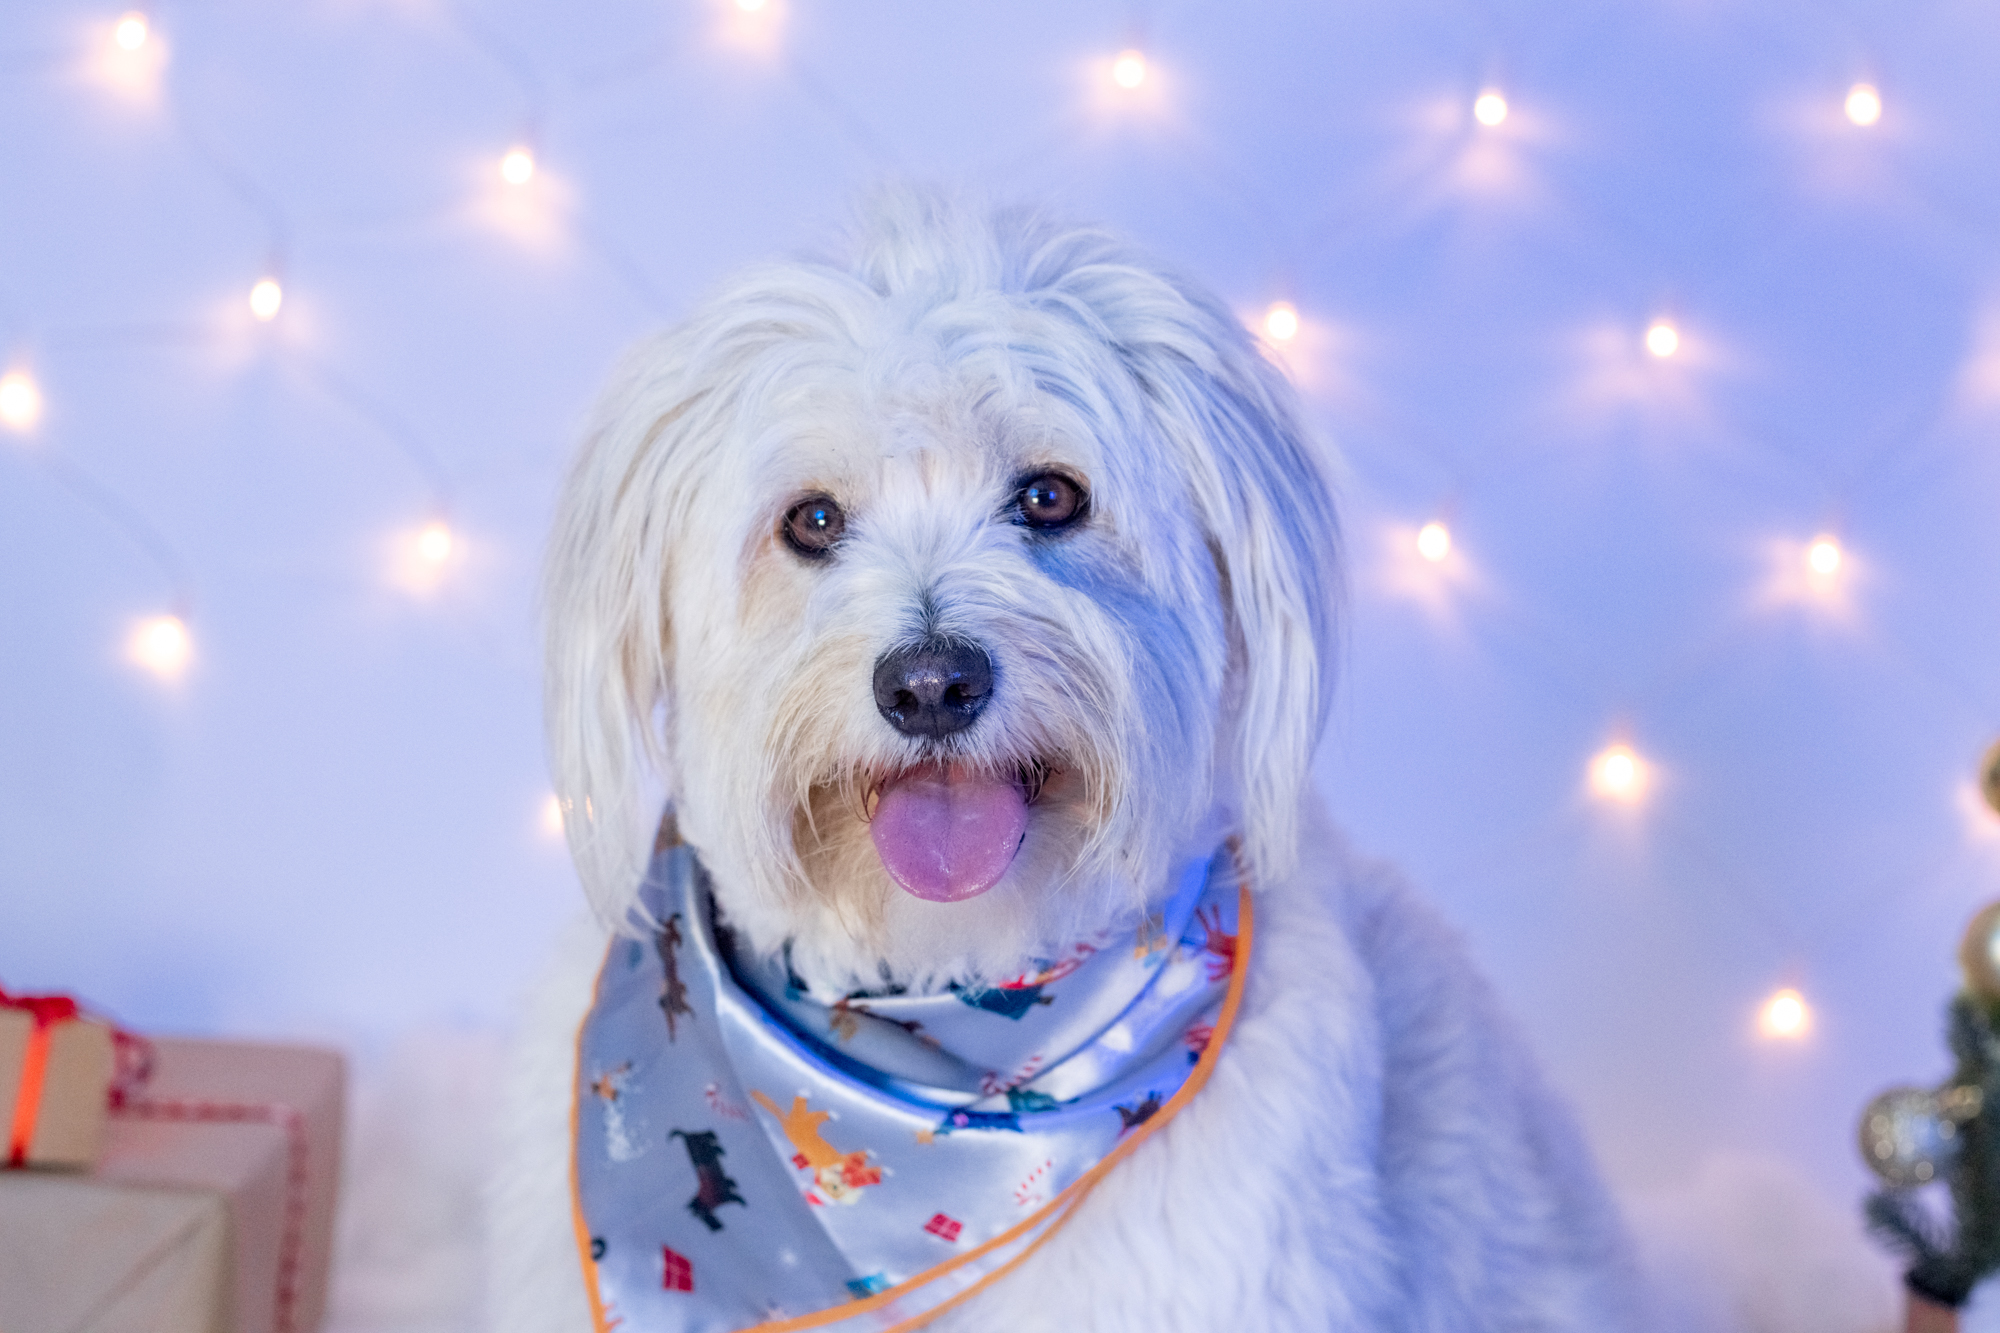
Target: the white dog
(957, 595)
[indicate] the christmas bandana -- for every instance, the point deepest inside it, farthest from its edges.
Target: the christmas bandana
(750, 1154)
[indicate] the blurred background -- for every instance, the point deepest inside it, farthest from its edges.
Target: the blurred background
(1660, 340)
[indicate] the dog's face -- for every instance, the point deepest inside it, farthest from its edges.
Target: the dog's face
(953, 595)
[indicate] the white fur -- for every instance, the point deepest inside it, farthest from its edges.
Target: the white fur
(1375, 1150)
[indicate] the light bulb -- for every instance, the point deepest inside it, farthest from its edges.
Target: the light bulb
(518, 167)
(1864, 104)
(1281, 322)
(1784, 1015)
(1823, 556)
(552, 816)
(1129, 69)
(1617, 774)
(1490, 109)
(265, 298)
(20, 401)
(161, 645)
(131, 32)
(1434, 541)
(434, 543)
(1663, 339)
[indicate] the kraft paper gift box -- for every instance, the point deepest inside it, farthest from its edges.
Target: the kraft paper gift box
(210, 1211)
(55, 1072)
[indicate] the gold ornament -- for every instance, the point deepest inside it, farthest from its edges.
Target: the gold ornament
(1989, 777)
(1979, 954)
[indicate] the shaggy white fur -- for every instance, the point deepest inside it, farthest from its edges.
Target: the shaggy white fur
(1375, 1150)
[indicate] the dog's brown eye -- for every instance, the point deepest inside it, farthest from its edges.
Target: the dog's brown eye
(813, 525)
(1051, 500)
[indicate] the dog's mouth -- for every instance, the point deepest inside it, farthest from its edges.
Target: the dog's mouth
(948, 831)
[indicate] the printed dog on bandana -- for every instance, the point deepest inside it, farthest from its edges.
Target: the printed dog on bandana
(952, 588)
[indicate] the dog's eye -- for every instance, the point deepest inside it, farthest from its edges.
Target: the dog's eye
(813, 525)
(1051, 500)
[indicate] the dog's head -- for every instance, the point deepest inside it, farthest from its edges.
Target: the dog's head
(951, 592)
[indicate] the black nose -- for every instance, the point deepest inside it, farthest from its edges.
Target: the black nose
(934, 688)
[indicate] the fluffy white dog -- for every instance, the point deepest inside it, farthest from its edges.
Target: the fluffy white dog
(952, 592)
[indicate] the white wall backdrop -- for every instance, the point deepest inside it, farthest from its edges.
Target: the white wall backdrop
(328, 821)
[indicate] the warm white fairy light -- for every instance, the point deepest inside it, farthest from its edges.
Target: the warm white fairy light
(1823, 557)
(1617, 774)
(265, 298)
(1281, 322)
(20, 401)
(552, 816)
(1864, 104)
(131, 32)
(1129, 69)
(1663, 339)
(1784, 1015)
(1434, 541)
(160, 645)
(517, 167)
(1490, 108)
(434, 543)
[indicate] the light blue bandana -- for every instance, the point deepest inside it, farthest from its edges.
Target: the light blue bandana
(749, 1154)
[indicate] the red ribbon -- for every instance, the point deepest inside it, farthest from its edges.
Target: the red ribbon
(47, 1011)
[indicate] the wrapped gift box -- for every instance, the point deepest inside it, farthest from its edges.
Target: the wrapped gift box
(210, 1211)
(55, 1068)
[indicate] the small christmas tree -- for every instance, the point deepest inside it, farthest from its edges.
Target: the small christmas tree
(1913, 1137)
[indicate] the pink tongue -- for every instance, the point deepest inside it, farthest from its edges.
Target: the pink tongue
(945, 834)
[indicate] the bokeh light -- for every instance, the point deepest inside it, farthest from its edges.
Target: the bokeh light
(265, 298)
(131, 32)
(518, 166)
(20, 401)
(1618, 774)
(1823, 556)
(1281, 322)
(434, 543)
(1490, 108)
(161, 645)
(1434, 541)
(1864, 104)
(1129, 69)
(1784, 1016)
(1663, 339)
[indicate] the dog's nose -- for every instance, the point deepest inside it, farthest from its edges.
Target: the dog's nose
(933, 688)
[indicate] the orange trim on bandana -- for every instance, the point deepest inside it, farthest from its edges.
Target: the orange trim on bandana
(1058, 1210)
(599, 1322)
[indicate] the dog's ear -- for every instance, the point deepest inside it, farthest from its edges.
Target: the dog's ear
(607, 629)
(1229, 416)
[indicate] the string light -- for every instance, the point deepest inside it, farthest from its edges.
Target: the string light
(1663, 339)
(434, 543)
(517, 167)
(1490, 108)
(1129, 69)
(265, 298)
(131, 32)
(161, 645)
(1617, 774)
(552, 816)
(1823, 556)
(1784, 1016)
(20, 401)
(1281, 322)
(1434, 541)
(1864, 104)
